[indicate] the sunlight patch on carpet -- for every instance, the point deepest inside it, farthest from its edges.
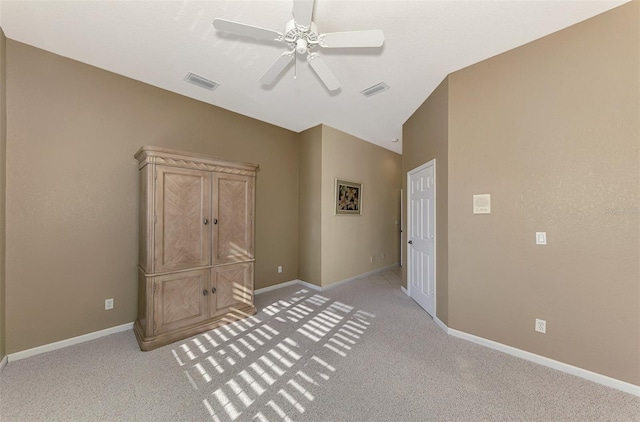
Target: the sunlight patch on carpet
(267, 368)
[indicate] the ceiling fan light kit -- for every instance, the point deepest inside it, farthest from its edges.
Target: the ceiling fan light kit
(301, 36)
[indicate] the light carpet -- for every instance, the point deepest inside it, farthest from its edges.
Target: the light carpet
(361, 351)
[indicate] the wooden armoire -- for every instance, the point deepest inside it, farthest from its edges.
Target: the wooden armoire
(196, 253)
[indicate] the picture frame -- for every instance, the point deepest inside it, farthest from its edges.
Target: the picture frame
(348, 198)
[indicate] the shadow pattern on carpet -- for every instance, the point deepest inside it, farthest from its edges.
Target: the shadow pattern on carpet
(269, 366)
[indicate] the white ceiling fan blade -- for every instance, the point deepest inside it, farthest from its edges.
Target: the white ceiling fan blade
(277, 67)
(370, 38)
(324, 73)
(247, 30)
(302, 12)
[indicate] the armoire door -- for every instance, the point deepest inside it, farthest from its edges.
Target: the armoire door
(233, 198)
(233, 286)
(180, 300)
(183, 214)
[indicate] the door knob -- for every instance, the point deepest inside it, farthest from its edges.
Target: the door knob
(206, 221)
(204, 292)
(213, 290)
(411, 242)
(215, 221)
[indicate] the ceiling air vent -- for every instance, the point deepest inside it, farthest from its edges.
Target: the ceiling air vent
(375, 89)
(200, 81)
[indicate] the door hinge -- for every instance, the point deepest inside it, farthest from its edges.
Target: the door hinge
(155, 218)
(154, 326)
(155, 288)
(155, 174)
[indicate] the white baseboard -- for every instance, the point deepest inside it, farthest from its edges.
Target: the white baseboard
(318, 288)
(346, 280)
(68, 342)
(441, 324)
(91, 336)
(541, 360)
(287, 284)
(309, 285)
(405, 291)
(275, 287)
(3, 362)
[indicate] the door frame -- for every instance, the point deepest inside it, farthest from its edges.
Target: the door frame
(402, 227)
(435, 232)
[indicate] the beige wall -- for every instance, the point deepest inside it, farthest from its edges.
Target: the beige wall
(310, 227)
(72, 189)
(551, 131)
(349, 241)
(3, 153)
(425, 137)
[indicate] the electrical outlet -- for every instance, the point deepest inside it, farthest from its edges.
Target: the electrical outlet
(541, 326)
(279, 268)
(108, 304)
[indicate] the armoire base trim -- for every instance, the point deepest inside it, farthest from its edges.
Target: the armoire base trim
(147, 343)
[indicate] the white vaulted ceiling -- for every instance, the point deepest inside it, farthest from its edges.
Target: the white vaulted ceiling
(159, 42)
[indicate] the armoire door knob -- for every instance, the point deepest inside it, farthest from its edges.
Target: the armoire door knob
(204, 292)
(215, 221)
(206, 221)
(213, 290)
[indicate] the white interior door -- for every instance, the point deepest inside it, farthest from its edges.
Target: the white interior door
(421, 279)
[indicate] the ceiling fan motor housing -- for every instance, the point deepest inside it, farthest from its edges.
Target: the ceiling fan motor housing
(300, 38)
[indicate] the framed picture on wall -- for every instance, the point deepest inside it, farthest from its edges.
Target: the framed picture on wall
(348, 198)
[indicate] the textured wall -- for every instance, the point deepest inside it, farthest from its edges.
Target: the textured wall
(72, 189)
(551, 131)
(349, 241)
(310, 227)
(424, 138)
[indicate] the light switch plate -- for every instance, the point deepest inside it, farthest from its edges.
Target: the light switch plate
(541, 238)
(482, 204)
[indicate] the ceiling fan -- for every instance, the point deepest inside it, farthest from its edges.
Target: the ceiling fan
(301, 37)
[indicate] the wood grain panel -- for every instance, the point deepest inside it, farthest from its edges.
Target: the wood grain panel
(142, 299)
(233, 207)
(182, 237)
(179, 300)
(234, 287)
(145, 217)
(193, 275)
